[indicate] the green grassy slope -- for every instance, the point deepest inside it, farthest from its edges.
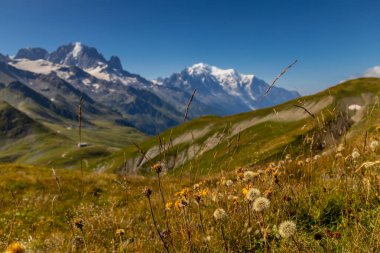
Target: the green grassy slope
(25, 140)
(207, 143)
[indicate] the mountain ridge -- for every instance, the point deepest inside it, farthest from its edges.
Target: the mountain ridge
(151, 106)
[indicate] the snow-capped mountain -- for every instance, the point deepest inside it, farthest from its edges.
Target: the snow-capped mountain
(104, 81)
(150, 106)
(226, 90)
(32, 54)
(77, 54)
(3, 58)
(81, 56)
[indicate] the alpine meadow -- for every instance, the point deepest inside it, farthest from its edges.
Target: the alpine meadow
(189, 156)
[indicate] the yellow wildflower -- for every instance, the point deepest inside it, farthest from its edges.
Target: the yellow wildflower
(245, 191)
(168, 205)
(15, 247)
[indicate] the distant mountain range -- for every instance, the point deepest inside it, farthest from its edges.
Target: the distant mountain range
(49, 85)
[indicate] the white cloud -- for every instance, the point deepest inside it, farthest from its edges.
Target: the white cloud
(372, 72)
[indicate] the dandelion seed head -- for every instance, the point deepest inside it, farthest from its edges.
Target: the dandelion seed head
(340, 148)
(261, 204)
(229, 183)
(220, 214)
(355, 154)
(249, 175)
(253, 194)
(287, 229)
(217, 197)
(374, 145)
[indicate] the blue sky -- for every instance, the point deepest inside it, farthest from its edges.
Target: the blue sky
(332, 39)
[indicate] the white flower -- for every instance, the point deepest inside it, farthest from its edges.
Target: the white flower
(229, 182)
(217, 197)
(355, 154)
(260, 204)
(287, 229)
(253, 194)
(374, 144)
(220, 214)
(300, 163)
(248, 175)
